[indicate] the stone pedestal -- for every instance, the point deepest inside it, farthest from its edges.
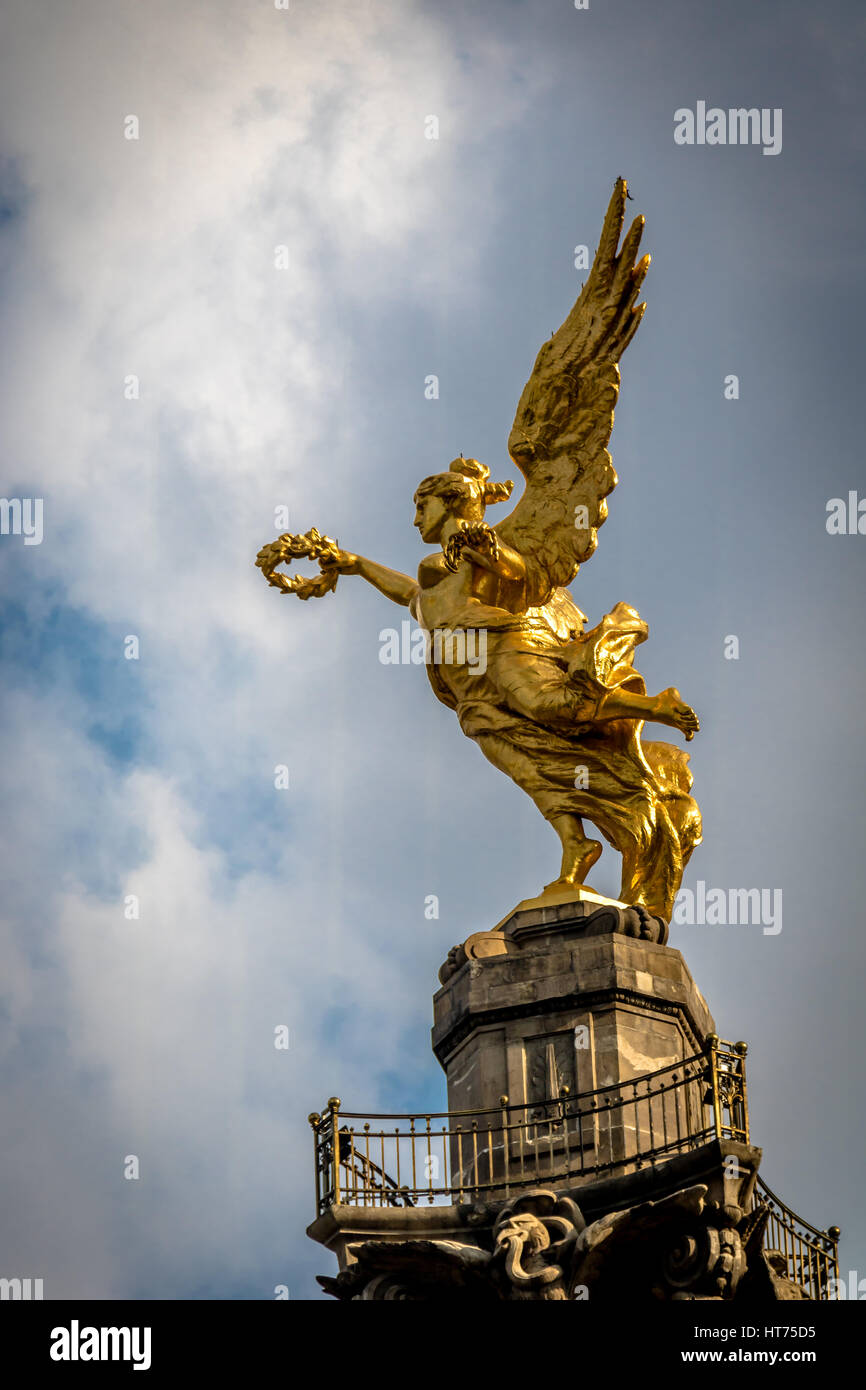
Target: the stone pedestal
(596, 1143)
(687, 1230)
(546, 1002)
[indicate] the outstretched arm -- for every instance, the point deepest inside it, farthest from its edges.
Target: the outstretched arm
(391, 583)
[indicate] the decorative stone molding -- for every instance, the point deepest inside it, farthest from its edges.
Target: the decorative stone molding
(583, 919)
(538, 1246)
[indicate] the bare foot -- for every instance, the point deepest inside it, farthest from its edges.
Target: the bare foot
(577, 860)
(671, 709)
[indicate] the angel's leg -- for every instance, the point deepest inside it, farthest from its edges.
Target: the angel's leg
(552, 797)
(579, 853)
(666, 708)
(538, 688)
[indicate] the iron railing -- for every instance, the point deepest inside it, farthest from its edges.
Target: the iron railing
(800, 1252)
(461, 1155)
(444, 1157)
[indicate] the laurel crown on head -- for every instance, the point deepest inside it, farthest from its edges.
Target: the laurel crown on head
(467, 481)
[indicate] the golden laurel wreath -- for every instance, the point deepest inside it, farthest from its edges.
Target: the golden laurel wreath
(286, 548)
(479, 536)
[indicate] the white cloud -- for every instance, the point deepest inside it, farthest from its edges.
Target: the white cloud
(155, 257)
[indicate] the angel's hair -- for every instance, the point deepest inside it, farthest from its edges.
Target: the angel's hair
(465, 486)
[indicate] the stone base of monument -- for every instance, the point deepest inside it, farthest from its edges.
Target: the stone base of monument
(683, 1230)
(562, 995)
(596, 1142)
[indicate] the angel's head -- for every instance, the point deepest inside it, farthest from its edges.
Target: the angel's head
(461, 494)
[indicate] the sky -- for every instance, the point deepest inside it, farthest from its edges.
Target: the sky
(236, 312)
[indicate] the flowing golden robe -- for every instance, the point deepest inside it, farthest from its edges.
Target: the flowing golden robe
(532, 710)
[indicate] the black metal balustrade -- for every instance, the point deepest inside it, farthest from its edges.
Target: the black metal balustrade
(458, 1156)
(462, 1155)
(801, 1252)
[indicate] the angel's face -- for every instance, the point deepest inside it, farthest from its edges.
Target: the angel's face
(431, 513)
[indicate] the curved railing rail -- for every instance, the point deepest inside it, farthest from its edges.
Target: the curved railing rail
(367, 1160)
(455, 1156)
(796, 1249)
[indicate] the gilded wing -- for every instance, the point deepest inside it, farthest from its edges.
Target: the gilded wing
(564, 420)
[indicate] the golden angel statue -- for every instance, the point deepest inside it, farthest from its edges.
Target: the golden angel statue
(557, 707)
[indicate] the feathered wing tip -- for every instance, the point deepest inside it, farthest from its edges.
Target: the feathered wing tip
(597, 331)
(616, 279)
(565, 415)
